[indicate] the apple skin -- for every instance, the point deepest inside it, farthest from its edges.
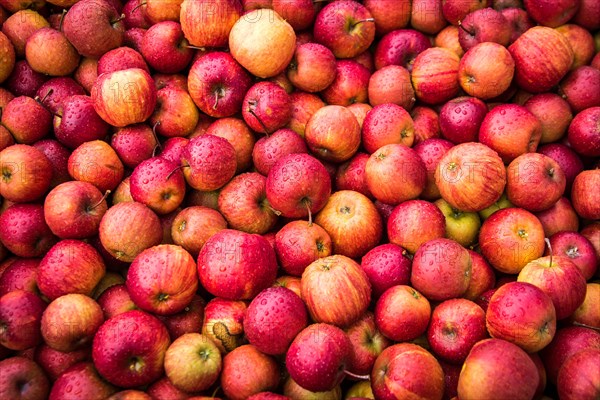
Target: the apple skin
(26, 173)
(578, 249)
(532, 331)
(484, 25)
(225, 262)
(193, 362)
(21, 316)
(456, 326)
(124, 97)
(535, 182)
(176, 285)
(84, 377)
(460, 226)
(415, 222)
(586, 202)
(483, 277)
(388, 18)
(434, 75)
(582, 43)
(18, 27)
(345, 27)
(208, 25)
(273, 319)
(136, 143)
(351, 175)
(93, 27)
(391, 84)
(553, 113)
(266, 107)
(456, 10)
(298, 185)
(24, 232)
(427, 16)
(129, 349)
(569, 161)
(239, 135)
(367, 343)
(24, 81)
(460, 119)
(164, 389)
(391, 379)
(578, 377)
(263, 59)
(587, 15)
(224, 323)
(561, 12)
(209, 162)
(304, 105)
(76, 122)
(21, 274)
(318, 356)
(27, 120)
(351, 84)
(194, 225)
(313, 68)
(386, 265)
(395, 173)
(496, 368)
(431, 152)
(115, 300)
(158, 184)
(386, 124)
(55, 362)
(587, 313)
(560, 279)
(299, 243)
(247, 371)
(519, 21)
(121, 58)
(56, 90)
(400, 47)
(322, 284)
(50, 52)
(441, 269)
(269, 149)
(583, 132)
(333, 134)
(129, 228)
(570, 86)
(299, 13)
(402, 313)
(97, 163)
(537, 69)
(448, 38)
(23, 379)
(352, 221)
(560, 217)
(175, 113)
(291, 389)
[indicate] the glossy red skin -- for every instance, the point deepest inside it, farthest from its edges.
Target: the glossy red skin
(518, 20)
(26, 119)
(582, 133)
(581, 88)
(21, 315)
(274, 318)
(333, 134)
(313, 67)
(136, 143)
(269, 149)
(24, 81)
(81, 378)
(247, 371)
(211, 160)
(213, 71)
(577, 248)
(431, 152)
(70, 266)
(266, 107)
(55, 362)
(293, 179)
(367, 343)
(172, 149)
(351, 84)
(483, 277)
(484, 25)
(586, 200)
(158, 184)
(133, 38)
(559, 13)
(567, 342)
(391, 84)
(414, 222)
(22, 379)
(386, 124)
(351, 175)
(121, 58)
(236, 265)
(134, 334)
(164, 389)
(297, 244)
(451, 375)
(115, 300)
(560, 217)
(268, 396)
(194, 225)
(56, 90)
(189, 320)
(402, 314)
(300, 14)
(24, 232)
(135, 15)
(221, 313)
(27, 173)
(588, 15)
(460, 119)
(304, 105)
(400, 47)
(58, 155)
(569, 161)
(21, 274)
(318, 356)
(386, 265)
(456, 10)
(579, 376)
(165, 49)
(435, 75)
(452, 318)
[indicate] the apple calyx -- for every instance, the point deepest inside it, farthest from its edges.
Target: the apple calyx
(6, 174)
(89, 209)
(135, 364)
(522, 233)
(572, 252)
(204, 354)
(116, 21)
(356, 376)
(162, 297)
(221, 332)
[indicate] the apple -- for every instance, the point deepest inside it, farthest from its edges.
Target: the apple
(585, 201)
(263, 59)
(239, 135)
(93, 27)
(55, 362)
(124, 97)
(460, 119)
(226, 259)
(388, 18)
(70, 322)
(26, 173)
(157, 11)
(85, 378)
(70, 266)
(519, 21)
(391, 84)
(26, 119)
(448, 38)
(578, 377)
(194, 225)
(434, 75)
(218, 84)
(386, 124)
(496, 368)
(224, 323)
(483, 278)
(391, 378)
(463, 227)
(470, 176)
(583, 76)
(18, 27)
(367, 342)
(24, 232)
(193, 362)
(350, 175)
(164, 389)
(135, 15)
(58, 155)
(326, 349)
(395, 173)
(554, 114)
(561, 12)
(300, 14)
(582, 132)
(386, 265)
(456, 326)
(456, 10)
(415, 222)
(270, 148)
(273, 319)
(587, 313)
(86, 73)
(582, 43)
(24, 81)
(569, 161)
(298, 185)
(76, 122)
(333, 133)
(560, 279)
(313, 67)
(292, 389)
(20, 319)
(23, 379)
(400, 47)
(483, 25)
(431, 151)
(56, 90)
(208, 24)
(246, 371)
(266, 107)
(299, 243)
(560, 217)
(578, 249)
(536, 69)
(21, 274)
(351, 84)
(121, 58)
(136, 143)
(122, 194)
(209, 162)
(304, 105)
(402, 313)
(189, 320)
(427, 16)
(128, 228)
(158, 184)
(50, 52)
(175, 113)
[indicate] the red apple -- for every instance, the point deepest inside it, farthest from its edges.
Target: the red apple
(560, 217)
(26, 119)
(431, 151)
(351, 84)
(327, 276)
(571, 88)
(333, 134)
(386, 124)
(313, 67)
(26, 173)
(427, 16)
(415, 222)
(194, 225)
(400, 47)
(239, 135)
(578, 249)
(583, 132)
(136, 143)
(55, 362)
(483, 277)
(518, 19)
(460, 119)
(587, 313)
(561, 11)
(299, 243)
(97, 163)
(164, 389)
(18, 27)
(584, 195)
(21, 274)
(24, 232)
(448, 38)
(119, 59)
(246, 371)
(554, 114)
(115, 300)
(578, 378)
(368, 343)
(304, 105)
(85, 378)
(24, 81)
(56, 90)
(434, 75)
(456, 10)
(76, 122)
(23, 379)
(208, 24)
(224, 323)
(582, 43)
(20, 319)
(300, 14)
(175, 113)
(402, 313)
(391, 84)
(569, 161)
(158, 184)
(209, 162)
(483, 25)
(351, 175)
(269, 149)
(386, 265)
(51, 52)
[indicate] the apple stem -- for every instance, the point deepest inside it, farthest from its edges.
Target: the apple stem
(175, 170)
(549, 248)
(158, 145)
(460, 25)
(363, 20)
(586, 326)
(276, 212)
(143, 3)
(251, 111)
(90, 208)
(214, 393)
(189, 46)
(48, 93)
(307, 204)
(62, 18)
(217, 97)
(355, 376)
(121, 17)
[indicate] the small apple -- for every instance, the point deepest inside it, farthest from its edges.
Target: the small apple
(194, 225)
(554, 114)
(20, 319)
(391, 84)
(175, 113)
(97, 163)
(299, 243)
(24, 232)
(158, 184)
(26, 173)
(583, 133)
(402, 313)
(561, 12)
(85, 378)
(400, 47)
(386, 265)
(208, 24)
(434, 75)
(270, 148)
(50, 52)
(76, 122)
(224, 323)
(368, 343)
(415, 222)
(23, 379)
(463, 227)
(333, 134)
(209, 162)
(351, 84)
(115, 300)
(586, 202)
(136, 143)
(461, 118)
(313, 67)
(578, 249)
(578, 377)
(483, 277)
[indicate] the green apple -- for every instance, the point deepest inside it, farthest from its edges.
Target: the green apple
(502, 202)
(461, 226)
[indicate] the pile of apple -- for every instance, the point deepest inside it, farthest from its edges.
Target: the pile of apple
(299, 199)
